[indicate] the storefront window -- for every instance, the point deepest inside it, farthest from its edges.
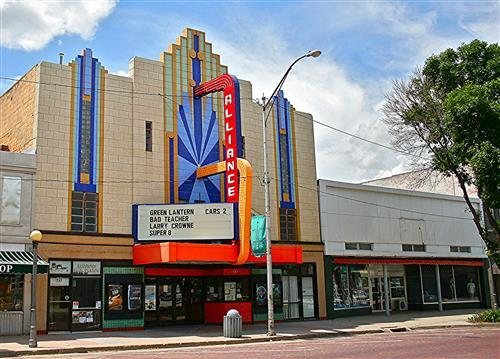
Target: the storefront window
(261, 294)
(150, 297)
(214, 290)
(467, 284)
(227, 290)
(87, 291)
(340, 288)
(447, 283)
(11, 292)
(429, 283)
(124, 296)
(350, 286)
(397, 287)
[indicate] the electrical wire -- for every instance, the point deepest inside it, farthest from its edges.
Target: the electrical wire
(381, 205)
(273, 103)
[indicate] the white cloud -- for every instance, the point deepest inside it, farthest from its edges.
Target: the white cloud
(30, 25)
(119, 73)
(484, 26)
(323, 88)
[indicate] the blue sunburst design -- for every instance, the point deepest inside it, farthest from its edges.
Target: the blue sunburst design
(198, 145)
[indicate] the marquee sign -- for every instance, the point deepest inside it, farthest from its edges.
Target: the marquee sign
(201, 221)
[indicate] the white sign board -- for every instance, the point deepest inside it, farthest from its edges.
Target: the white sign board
(59, 281)
(60, 267)
(200, 221)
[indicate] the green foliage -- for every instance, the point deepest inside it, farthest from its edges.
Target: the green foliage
(487, 316)
(450, 111)
(472, 118)
(466, 82)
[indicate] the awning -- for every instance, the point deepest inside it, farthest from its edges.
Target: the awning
(408, 261)
(208, 253)
(16, 262)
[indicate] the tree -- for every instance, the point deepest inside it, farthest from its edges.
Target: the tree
(447, 114)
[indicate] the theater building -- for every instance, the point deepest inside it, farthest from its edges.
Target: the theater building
(392, 250)
(125, 164)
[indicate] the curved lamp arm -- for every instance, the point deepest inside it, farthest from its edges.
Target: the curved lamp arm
(312, 53)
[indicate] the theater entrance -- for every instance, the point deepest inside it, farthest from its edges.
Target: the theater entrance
(173, 300)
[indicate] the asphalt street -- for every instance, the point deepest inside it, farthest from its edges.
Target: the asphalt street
(477, 342)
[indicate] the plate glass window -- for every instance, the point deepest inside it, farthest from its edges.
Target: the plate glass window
(11, 292)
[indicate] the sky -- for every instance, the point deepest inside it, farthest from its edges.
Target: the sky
(365, 45)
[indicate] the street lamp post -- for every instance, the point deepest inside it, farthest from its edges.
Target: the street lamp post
(35, 236)
(266, 180)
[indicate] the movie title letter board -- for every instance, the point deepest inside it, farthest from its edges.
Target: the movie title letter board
(201, 221)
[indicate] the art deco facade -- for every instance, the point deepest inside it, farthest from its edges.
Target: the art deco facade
(105, 142)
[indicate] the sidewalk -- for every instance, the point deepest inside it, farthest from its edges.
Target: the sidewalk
(199, 335)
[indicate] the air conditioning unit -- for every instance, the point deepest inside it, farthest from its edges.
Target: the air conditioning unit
(402, 305)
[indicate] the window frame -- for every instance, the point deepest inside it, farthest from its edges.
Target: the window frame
(414, 247)
(148, 136)
(88, 212)
(358, 246)
(288, 225)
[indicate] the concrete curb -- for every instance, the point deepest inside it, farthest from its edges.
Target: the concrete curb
(279, 337)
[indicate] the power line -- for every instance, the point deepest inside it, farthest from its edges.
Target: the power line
(381, 205)
(129, 181)
(171, 98)
(316, 190)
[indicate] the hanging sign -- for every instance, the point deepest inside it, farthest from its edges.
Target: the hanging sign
(258, 238)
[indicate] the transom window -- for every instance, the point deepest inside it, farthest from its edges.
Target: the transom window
(460, 249)
(84, 212)
(413, 247)
(359, 246)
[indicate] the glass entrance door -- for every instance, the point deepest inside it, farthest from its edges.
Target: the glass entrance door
(291, 299)
(165, 301)
(193, 299)
(180, 299)
(59, 304)
(86, 303)
(378, 294)
(308, 297)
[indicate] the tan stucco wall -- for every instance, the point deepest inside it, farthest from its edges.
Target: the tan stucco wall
(53, 128)
(131, 174)
(117, 162)
(17, 111)
(148, 167)
(251, 126)
(307, 186)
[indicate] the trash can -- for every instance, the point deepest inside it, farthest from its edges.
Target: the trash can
(232, 324)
